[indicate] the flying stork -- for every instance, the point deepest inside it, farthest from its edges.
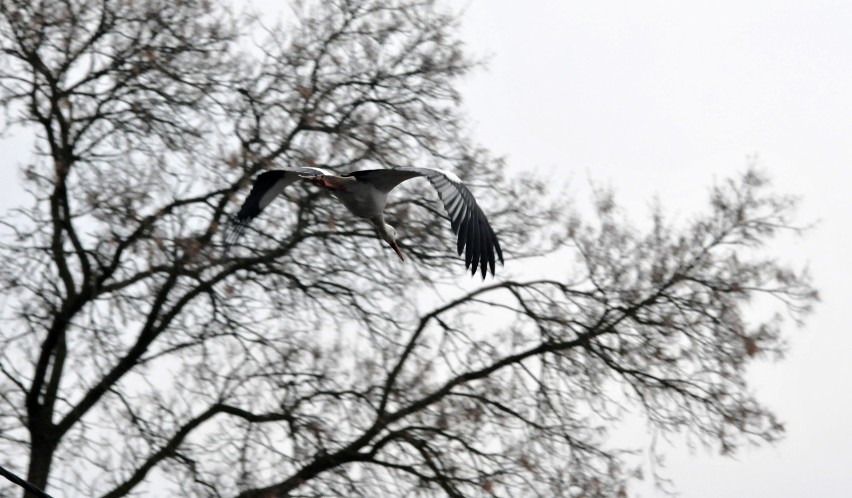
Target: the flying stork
(365, 192)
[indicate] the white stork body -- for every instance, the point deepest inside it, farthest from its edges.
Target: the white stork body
(365, 193)
(362, 199)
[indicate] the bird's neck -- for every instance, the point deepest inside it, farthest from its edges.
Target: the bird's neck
(381, 226)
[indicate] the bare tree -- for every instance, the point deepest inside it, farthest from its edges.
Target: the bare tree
(133, 354)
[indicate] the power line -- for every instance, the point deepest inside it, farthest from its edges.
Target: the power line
(22, 483)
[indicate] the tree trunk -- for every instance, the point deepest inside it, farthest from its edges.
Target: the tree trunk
(41, 457)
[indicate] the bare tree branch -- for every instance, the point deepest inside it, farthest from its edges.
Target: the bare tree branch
(308, 361)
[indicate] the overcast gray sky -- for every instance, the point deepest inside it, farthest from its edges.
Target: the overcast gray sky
(661, 97)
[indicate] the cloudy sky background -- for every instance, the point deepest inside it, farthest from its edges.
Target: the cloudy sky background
(662, 98)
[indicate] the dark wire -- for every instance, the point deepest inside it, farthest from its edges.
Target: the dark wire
(31, 488)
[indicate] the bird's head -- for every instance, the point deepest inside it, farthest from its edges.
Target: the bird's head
(389, 236)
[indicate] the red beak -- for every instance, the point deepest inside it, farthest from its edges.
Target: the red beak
(398, 250)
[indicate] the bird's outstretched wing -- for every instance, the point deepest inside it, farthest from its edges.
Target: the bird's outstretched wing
(385, 179)
(476, 238)
(266, 187)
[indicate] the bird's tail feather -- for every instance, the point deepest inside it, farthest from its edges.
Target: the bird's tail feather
(234, 232)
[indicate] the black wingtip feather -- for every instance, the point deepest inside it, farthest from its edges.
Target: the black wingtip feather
(234, 232)
(495, 247)
(475, 236)
(474, 241)
(483, 264)
(490, 238)
(462, 233)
